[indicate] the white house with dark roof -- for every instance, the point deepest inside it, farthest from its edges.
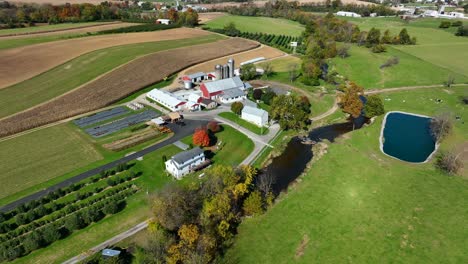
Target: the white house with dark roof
(254, 115)
(185, 162)
(232, 95)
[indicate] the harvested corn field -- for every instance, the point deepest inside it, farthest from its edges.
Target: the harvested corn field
(122, 82)
(22, 63)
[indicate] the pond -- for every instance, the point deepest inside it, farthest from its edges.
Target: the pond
(407, 137)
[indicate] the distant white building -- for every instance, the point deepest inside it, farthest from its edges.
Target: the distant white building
(167, 99)
(185, 162)
(254, 115)
(163, 21)
(347, 14)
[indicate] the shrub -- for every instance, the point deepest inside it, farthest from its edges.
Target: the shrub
(462, 31)
(390, 62)
(444, 24)
(213, 126)
(253, 204)
(374, 106)
(457, 23)
(441, 126)
(257, 94)
(237, 107)
(449, 162)
(379, 48)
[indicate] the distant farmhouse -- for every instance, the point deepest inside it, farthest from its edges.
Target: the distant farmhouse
(347, 14)
(254, 115)
(186, 162)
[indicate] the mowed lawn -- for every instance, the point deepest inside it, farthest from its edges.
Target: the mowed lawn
(39, 156)
(356, 205)
(267, 25)
(138, 208)
(434, 45)
(78, 71)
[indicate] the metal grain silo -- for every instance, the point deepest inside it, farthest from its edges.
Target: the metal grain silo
(226, 71)
(218, 72)
(231, 67)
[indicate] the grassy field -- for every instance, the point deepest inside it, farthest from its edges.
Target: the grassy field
(357, 205)
(241, 122)
(138, 206)
(20, 42)
(259, 24)
(363, 66)
(42, 155)
(46, 28)
(441, 48)
(79, 71)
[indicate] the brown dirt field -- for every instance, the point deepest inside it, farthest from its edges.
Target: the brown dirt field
(59, 2)
(80, 30)
(262, 3)
(205, 17)
(263, 51)
(121, 82)
(29, 61)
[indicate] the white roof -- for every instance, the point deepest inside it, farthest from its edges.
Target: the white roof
(196, 75)
(253, 111)
(193, 97)
(191, 104)
(252, 61)
(158, 121)
(166, 97)
(224, 84)
(163, 19)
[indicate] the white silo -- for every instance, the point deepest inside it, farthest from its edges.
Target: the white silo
(231, 67)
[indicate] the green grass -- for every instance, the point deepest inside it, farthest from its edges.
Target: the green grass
(435, 46)
(357, 205)
(59, 152)
(20, 42)
(235, 147)
(36, 29)
(259, 24)
(138, 206)
(363, 67)
(241, 122)
(39, 156)
(78, 71)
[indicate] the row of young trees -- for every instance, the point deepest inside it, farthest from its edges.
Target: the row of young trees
(192, 224)
(55, 230)
(35, 208)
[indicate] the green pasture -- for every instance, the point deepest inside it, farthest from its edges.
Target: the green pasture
(80, 70)
(266, 25)
(138, 206)
(357, 205)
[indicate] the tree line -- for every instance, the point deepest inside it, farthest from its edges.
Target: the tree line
(195, 223)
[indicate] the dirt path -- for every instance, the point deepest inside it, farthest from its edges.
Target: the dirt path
(22, 63)
(75, 30)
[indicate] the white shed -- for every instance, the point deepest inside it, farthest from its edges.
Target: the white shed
(255, 115)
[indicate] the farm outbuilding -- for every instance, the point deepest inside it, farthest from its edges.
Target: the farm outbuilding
(232, 95)
(255, 115)
(163, 21)
(347, 14)
(214, 90)
(208, 103)
(166, 99)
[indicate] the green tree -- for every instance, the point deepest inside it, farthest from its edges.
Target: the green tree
(373, 38)
(289, 111)
(253, 205)
(374, 106)
(231, 30)
(50, 234)
(386, 38)
(404, 37)
(268, 96)
(237, 107)
(248, 72)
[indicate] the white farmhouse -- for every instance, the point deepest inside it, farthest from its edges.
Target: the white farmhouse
(347, 14)
(255, 115)
(166, 99)
(185, 162)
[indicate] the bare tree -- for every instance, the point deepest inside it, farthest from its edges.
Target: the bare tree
(441, 125)
(343, 51)
(449, 162)
(292, 70)
(450, 81)
(265, 182)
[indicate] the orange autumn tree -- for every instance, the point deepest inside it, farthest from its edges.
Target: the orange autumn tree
(201, 137)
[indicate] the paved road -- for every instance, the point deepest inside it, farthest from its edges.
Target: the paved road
(110, 242)
(179, 133)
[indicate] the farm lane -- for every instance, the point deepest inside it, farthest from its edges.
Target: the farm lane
(180, 132)
(36, 59)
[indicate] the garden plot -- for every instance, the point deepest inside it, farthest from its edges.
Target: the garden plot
(100, 117)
